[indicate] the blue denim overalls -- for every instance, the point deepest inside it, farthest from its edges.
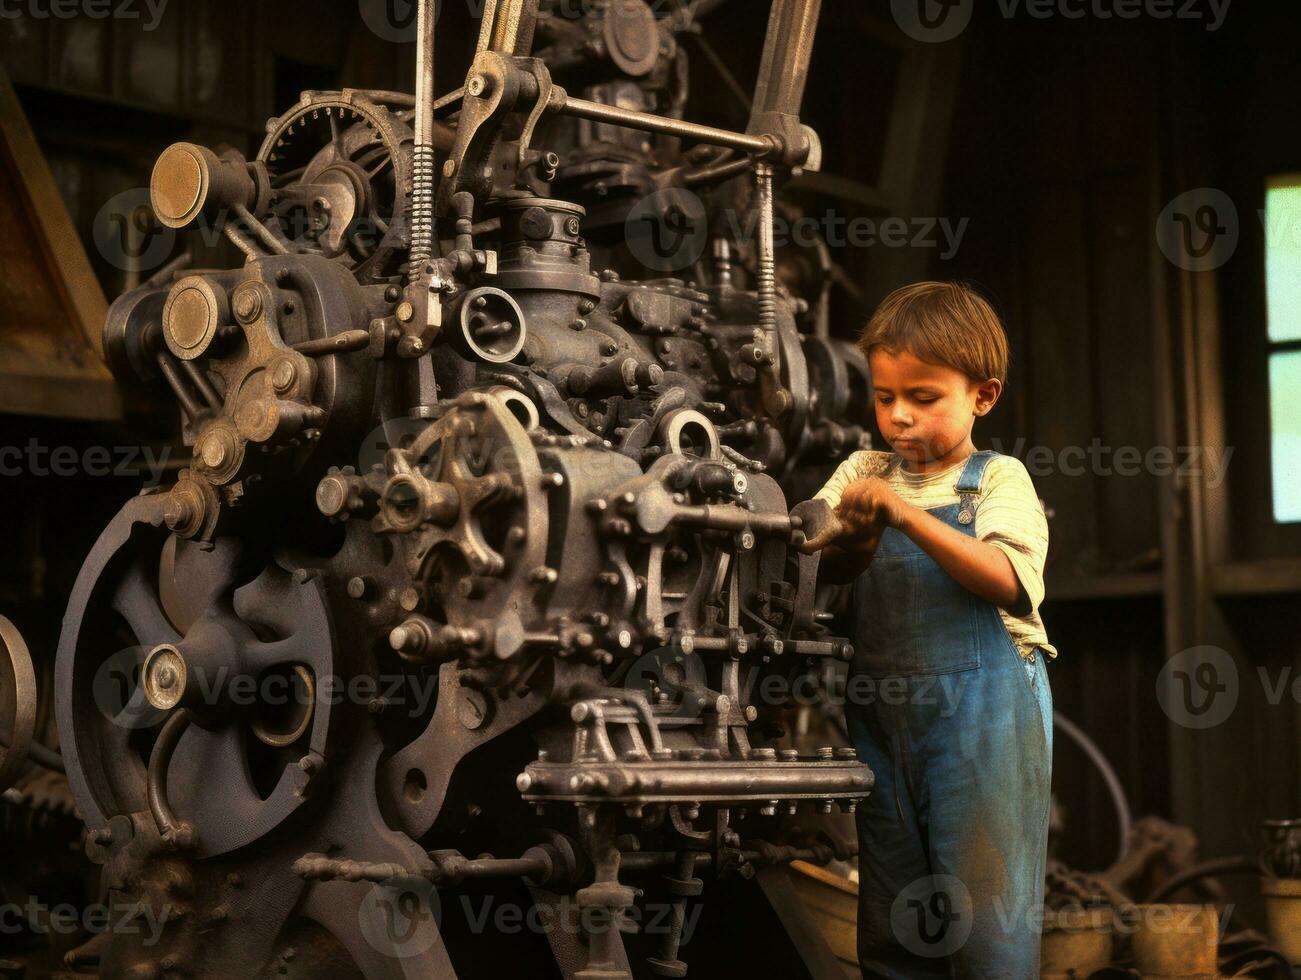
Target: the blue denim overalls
(957, 726)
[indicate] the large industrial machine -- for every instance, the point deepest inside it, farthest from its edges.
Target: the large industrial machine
(484, 559)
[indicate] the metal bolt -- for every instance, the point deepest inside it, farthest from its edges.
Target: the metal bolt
(248, 304)
(214, 452)
(284, 375)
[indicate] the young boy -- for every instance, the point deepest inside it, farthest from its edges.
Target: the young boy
(948, 694)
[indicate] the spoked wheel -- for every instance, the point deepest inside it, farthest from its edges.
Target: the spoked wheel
(206, 663)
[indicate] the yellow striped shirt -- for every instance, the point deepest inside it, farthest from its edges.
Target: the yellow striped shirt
(1009, 516)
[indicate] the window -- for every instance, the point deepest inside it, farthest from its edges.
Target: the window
(1283, 296)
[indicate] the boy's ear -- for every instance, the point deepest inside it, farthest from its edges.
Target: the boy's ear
(987, 395)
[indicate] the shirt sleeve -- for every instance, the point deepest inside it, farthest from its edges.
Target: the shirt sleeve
(858, 466)
(1011, 518)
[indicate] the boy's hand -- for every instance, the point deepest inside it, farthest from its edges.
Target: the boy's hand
(868, 507)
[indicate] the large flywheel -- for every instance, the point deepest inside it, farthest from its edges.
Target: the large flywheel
(192, 683)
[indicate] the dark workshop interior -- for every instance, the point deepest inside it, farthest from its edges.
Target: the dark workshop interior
(1121, 179)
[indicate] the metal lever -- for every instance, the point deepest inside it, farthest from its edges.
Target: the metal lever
(508, 26)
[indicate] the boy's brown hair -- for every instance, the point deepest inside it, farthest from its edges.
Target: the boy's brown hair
(941, 323)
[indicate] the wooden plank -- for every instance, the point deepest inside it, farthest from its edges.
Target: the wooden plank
(803, 930)
(52, 309)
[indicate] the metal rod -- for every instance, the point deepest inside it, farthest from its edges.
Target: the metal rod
(485, 27)
(756, 145)
(209, 393)
(340, 343)
(192, 408)
(39, 754)
(245, 244)
(721, 171)
(767, 260)
(261, 231)
(787, 52)
(159, 760)
(164, 275)
(423, 164)
(501, 868)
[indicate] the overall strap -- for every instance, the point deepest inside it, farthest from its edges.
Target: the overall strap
(968, 485)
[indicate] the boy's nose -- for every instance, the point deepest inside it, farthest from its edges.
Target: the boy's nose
(901, 417)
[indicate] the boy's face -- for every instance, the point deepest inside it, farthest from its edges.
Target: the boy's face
(926, 411)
